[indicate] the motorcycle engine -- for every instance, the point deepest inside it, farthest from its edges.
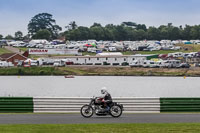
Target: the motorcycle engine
(100, 110)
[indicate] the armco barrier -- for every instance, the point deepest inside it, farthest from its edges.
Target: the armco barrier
(66, 105)
(180, 104)
(16, 104)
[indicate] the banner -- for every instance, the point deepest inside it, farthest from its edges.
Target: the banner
(53, 51)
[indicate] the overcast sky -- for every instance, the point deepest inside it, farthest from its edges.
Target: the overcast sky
(16, 14)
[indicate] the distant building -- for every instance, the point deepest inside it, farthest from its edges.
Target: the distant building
(105, 59)
(13, 57)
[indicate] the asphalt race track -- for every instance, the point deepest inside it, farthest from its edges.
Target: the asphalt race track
(77, 118)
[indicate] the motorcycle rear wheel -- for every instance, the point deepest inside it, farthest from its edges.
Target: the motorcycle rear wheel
(115, 111)
(87, 111)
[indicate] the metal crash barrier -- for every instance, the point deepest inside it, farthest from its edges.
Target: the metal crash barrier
(73, 105)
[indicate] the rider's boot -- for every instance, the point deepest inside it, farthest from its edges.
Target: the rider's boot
(107, 108)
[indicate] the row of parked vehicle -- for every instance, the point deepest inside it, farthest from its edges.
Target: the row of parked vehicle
(45, 61)
(159, 63)
(6, 64)
(180, 54)
(64, 62)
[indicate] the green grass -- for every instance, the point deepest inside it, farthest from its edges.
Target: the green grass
(3, 51)
(98, 71)
(23, 49)
(190, 47)
(150, 52)
(101, 128)
(30, 71)
(34, 56)
(88, 53)
(159, 52)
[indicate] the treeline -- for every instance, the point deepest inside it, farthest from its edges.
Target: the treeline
(43, 26)
(132, 31)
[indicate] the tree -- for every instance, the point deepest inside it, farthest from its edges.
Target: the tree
(72, 26)
(74, 35)
(130, 34)
(186, 34)
(195, 32)
(153, 33)
(96, 25)
(132, 31)
(27, 37)
(175, 33)
(163, 32)
(1, 36)
(129, 24)
(141, 35)
(97, 33)
(9, 37)
(43, 21)
(18, 35)
(42, 34)
(141, 27)
(84, 33)
(55, 32)
(110, 31)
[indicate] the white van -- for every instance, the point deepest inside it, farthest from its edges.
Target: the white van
(149, 63)
(172, 63)
(59, 63)
(112, 49)
(135, 63)
(91, 50)
(162, 63)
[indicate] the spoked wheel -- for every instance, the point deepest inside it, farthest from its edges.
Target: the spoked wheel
(87, 111)
(116, 111)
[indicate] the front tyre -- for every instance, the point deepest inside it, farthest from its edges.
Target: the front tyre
(86, 111)
(116, 111)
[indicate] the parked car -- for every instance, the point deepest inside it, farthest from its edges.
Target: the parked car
(149, 63)
(69, 62)
(135, 63)
(184, 65)
(112, 49)
(59, 63)
(172, 63)
(163, 56)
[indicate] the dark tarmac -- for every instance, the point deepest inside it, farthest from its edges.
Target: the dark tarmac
(78, 119)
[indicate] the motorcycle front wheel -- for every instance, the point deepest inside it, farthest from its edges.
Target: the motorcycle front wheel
(116, 111)
(87, 111)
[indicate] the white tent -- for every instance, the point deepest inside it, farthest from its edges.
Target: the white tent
(110, 54)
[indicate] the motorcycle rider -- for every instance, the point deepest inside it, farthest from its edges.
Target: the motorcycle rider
(107, 98)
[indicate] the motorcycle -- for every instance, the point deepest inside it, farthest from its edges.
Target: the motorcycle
(97, 106)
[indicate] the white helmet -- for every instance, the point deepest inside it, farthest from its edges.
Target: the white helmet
(103, 90)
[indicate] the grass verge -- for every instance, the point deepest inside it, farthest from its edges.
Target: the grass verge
(99, 71)
(101, 128)
(23, 49)
(3, 51)
(30, 71)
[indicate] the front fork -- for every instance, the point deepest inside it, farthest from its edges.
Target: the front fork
(91, 103)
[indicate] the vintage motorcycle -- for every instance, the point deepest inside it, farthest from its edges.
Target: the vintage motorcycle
(97, 106)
